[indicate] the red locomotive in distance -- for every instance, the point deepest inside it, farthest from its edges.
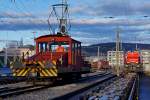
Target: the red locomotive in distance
(133, 61)
(133, 57)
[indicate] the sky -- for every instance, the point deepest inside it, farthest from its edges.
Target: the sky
(92, 21)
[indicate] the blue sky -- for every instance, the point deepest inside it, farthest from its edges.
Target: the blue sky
(90, 20)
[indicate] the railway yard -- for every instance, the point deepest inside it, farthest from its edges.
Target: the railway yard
(102, 86)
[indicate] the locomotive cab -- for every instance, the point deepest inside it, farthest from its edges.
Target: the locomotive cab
(47, 46)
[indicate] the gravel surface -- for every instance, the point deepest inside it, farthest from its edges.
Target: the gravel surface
(112, 90)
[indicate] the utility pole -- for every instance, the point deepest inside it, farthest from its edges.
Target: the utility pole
(136, 46)
(98, 52)
(117, 51)
(6, 56)
(34, 38)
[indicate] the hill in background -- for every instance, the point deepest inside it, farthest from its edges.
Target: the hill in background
(104, 47)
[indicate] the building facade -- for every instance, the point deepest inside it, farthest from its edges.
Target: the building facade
(145, 55)
(111, 58)
(10, 54)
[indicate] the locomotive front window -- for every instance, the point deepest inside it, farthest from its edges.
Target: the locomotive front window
(53, 46)
(44, 47)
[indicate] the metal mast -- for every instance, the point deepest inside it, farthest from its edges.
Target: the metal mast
(117, 51)
(98, 55)
(6, 56)
(61, 12)
(136, 44)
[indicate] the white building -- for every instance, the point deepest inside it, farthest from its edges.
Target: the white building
(96, 58)
(12, 53)
(19, 52)
(111, 58)
(145, 54)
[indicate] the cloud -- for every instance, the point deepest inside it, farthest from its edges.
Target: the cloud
(10, 14)
(90, 20)
(113, 8)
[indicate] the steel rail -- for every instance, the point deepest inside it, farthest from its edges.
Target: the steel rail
(132, 93)
(16, 91)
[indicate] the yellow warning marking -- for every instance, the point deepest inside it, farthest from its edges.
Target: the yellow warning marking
(54, 74)
(21, 72)
(50, 74)
(54, 62)
(44, 73)
(25, 73)
(41, 64)
(55, 69)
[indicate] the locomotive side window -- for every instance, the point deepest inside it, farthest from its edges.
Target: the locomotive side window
(43, 47)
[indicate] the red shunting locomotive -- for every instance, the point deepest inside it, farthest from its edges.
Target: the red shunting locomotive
(57, 55)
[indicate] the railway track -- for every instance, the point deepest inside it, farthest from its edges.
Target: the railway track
(72, 95)
(10, 92)
(11, 80)
(109, 88)
(87, 87)
(7, 92)
(133, 93)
